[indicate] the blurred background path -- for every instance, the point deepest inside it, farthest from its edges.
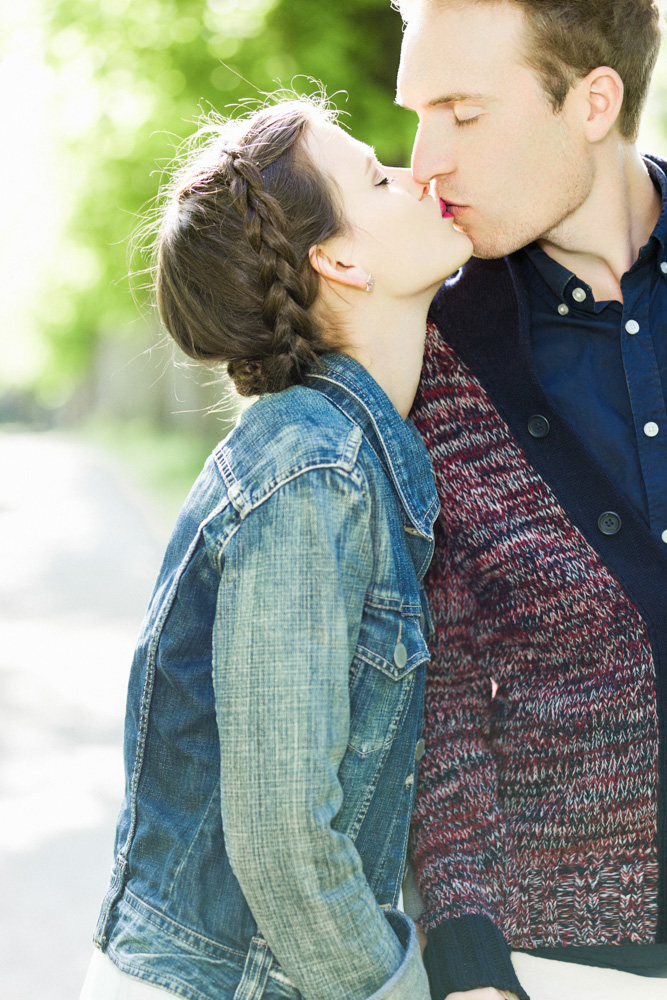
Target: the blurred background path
(79, 550)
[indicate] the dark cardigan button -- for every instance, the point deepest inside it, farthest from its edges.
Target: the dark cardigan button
(538, 426)
(609, 523)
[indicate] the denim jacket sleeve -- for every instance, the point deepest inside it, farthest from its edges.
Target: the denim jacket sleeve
(289, 609)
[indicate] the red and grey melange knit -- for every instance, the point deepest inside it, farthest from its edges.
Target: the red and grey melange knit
(537, 816)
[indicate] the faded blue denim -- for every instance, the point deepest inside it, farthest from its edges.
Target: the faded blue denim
(274, 711)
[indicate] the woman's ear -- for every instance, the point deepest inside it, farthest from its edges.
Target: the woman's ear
(350, 275)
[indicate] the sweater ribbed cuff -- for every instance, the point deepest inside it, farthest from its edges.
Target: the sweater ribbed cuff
(469, 953)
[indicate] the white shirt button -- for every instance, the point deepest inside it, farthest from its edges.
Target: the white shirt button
(563, 309)
(579, 295)
(664, 536)
(651, 429)
(632, 326)
(663, 267)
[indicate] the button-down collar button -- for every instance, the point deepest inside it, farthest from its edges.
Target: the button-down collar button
(663, 267)
(538, 426)
(563, 309)
(632, 326)
(609, 523)
(420, 749)
(664, 536)
(400, 655)
(651, 429)
(579, 295)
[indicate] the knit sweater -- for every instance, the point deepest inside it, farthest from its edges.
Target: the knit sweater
(540, 816)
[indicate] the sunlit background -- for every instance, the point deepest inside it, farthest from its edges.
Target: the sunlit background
(95, 95)
(100, 434)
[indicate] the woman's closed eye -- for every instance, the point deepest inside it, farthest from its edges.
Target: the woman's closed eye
(384, 181)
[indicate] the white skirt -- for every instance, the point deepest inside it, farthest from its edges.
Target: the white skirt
(105, 982)
(547, 979)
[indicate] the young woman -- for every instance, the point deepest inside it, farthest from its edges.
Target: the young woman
(275, 700)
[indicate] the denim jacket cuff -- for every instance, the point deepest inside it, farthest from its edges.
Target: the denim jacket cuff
(410, 979)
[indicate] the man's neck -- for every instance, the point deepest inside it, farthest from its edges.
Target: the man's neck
(601, 240)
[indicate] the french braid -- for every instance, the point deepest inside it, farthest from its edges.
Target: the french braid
(233, 277)
(288, 291)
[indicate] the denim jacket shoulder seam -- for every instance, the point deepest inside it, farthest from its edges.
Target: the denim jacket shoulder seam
(345, 456)
(353, 475)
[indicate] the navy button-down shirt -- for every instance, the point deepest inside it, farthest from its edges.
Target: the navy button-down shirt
(604, 364)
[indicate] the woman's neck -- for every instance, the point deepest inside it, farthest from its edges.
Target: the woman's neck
(387, 337)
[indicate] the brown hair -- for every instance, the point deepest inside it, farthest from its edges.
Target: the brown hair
(569, 38)
(233, 278)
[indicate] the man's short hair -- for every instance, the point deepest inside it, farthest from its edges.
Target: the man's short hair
(569, 38)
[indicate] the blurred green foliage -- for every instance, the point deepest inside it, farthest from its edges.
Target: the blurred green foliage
(134, 75)
(126, 80)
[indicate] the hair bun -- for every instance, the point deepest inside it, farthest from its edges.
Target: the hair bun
(248, 376)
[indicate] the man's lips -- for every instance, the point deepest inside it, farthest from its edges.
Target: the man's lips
(448, 208)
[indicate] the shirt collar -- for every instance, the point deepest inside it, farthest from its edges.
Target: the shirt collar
(396, 441)
(659, 178)
(567, 286)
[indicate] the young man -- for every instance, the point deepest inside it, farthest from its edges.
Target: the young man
(541, 821)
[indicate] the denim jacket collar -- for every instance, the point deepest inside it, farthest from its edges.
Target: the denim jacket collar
(396, 441)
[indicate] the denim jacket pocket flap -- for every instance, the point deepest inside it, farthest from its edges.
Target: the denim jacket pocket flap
(390, 641)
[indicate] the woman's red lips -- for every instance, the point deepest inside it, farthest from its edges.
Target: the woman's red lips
(444, 210)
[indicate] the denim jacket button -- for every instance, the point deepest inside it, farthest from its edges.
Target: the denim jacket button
(420, 748)
(400, 655)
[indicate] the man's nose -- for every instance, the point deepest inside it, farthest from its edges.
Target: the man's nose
(430, 156)
(410, 183)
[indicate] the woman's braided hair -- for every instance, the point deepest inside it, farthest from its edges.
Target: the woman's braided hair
(233, 278)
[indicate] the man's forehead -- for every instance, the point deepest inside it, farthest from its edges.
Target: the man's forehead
(458, 53)
(432, 83)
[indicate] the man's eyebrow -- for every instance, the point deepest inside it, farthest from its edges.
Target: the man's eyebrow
(454, 98)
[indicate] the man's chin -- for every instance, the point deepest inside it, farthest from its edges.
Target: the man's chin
(488, 245)
(492, 249)
(495, 255)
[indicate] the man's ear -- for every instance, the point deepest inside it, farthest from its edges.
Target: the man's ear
(344, 274)
(603, 92)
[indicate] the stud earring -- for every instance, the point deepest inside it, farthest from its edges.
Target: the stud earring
(370, 282)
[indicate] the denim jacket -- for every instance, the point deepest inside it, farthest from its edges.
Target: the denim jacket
(275, 708)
